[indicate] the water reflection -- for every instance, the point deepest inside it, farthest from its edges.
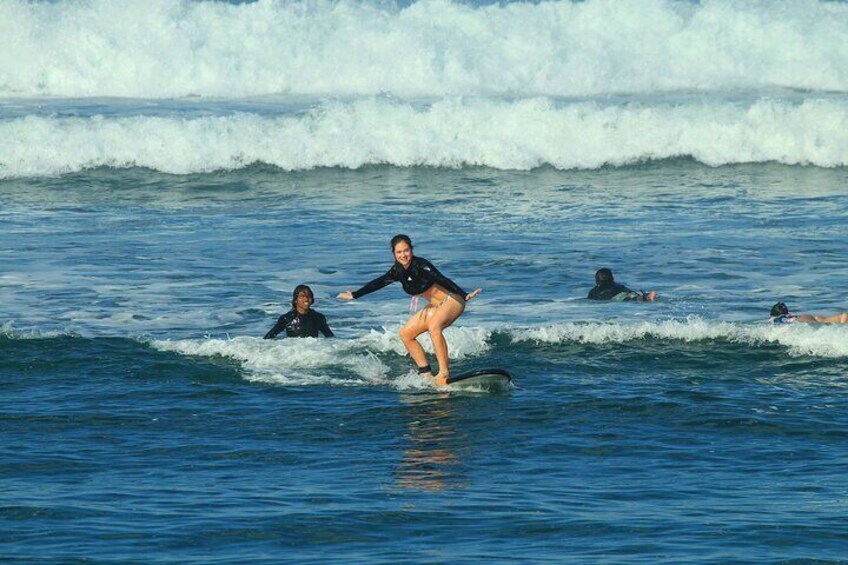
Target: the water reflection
(432, 459)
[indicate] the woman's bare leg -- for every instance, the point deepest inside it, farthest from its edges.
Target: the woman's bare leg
(409, 333)
(444, 316)
(837, 319)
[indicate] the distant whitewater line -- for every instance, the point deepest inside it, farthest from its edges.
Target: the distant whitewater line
(449, 133)
(800, 339)
(432, 48)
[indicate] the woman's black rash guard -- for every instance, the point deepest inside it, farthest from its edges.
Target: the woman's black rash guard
(418, 278)
(300, 325)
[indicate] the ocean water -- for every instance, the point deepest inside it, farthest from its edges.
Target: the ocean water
(171, 170)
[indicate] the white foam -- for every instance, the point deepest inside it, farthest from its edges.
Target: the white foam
(173, 48)
(412, 382)
(311, 361)
(300, 361)
(454, 132)
(800, 339)
(8, 330)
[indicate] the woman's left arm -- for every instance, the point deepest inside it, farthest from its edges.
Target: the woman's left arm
(473, 293)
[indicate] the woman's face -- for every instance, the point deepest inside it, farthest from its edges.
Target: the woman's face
(403, 253)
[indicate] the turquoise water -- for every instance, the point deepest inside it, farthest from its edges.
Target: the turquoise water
(170, 171)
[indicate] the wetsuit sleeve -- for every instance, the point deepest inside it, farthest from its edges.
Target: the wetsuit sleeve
(624, 289)
(376, 284)
(280, 325)
(607, 292)
(443, 281)
(325, 329)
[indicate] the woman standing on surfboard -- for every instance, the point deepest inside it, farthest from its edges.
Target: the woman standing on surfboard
(447, 302)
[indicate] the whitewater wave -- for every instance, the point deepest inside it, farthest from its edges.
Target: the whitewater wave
(10, 332)
(167, 48)
(339, 362)
(456, 132)
(378, 358)
(286, 362)
(829, 341)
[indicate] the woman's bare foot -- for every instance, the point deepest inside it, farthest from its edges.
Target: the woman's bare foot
(441, 380)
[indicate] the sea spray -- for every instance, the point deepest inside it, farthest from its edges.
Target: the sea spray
(164, 49)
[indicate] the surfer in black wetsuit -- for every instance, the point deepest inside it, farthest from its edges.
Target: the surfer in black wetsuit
(301, 320)
(607, 289)
(447, 303)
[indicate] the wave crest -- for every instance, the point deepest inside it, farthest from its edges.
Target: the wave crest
(502, 134)
(166, 48)
(800, 339)
(339, 362)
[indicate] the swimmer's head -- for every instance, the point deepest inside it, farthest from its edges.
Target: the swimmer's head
(302, 288)
(779, 309)
(399, 238)
(603, 276)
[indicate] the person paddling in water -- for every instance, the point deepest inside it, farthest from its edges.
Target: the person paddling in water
(607, 289)
(447, 302)
(780, 314)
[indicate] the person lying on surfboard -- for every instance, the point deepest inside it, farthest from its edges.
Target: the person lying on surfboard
(607, 289)
(301, 320)
(780, 314)
(447, 303)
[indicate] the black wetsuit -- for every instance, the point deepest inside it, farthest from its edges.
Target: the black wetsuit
(300, 325)
(608, 291)
(419, 277)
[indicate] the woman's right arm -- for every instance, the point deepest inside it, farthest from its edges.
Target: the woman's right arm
(376, 284)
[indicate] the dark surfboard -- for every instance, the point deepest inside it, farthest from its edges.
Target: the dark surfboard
(482, 378)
